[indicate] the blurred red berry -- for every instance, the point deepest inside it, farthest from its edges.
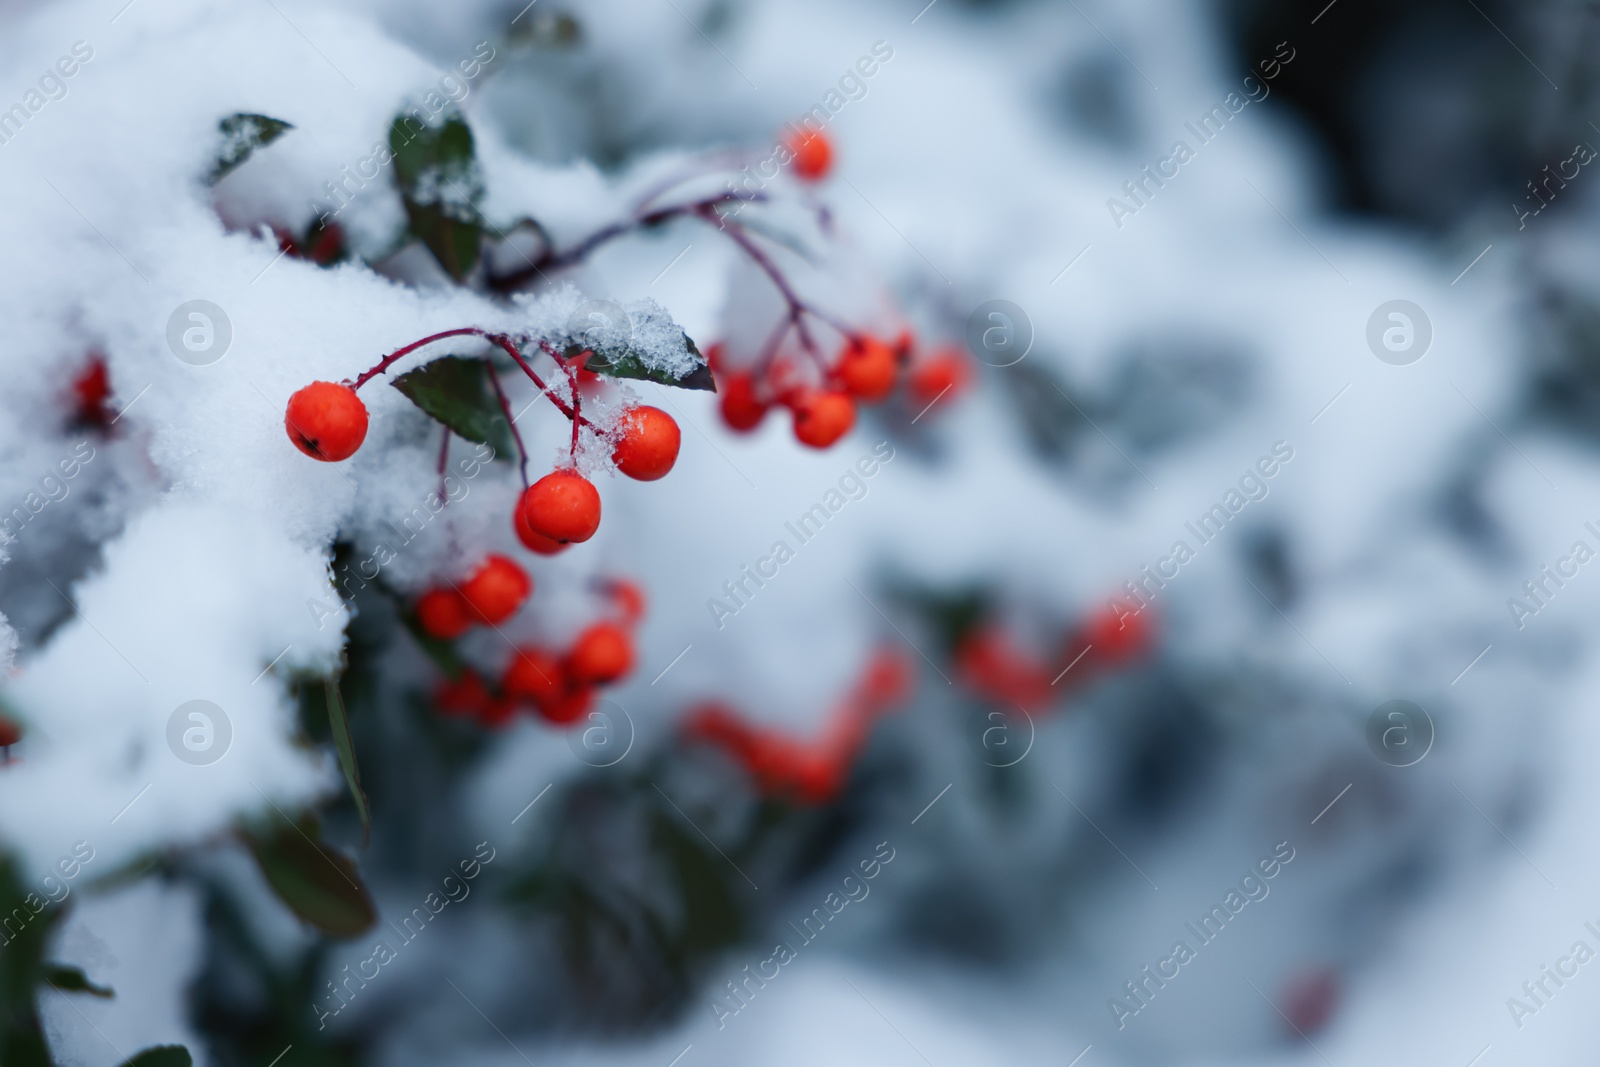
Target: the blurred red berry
(10, 732)
(444, 614)
(943, 375)
(741, 409)
(821, 418)
(464, 695)
(569, 707)
(602, 654)
(867, 369)
(536, 675)
(90, 390)
(496, 590)
(813, 153)
(1310, 999)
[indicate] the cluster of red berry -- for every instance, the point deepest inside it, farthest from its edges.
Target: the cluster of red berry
(808, 772)
(990, 664)
(558, 687)
(866, 371)
(328, 421)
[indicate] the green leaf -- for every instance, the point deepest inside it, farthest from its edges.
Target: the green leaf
(161, 1056)
(640, 342)
(71, 979)
(242, 134)
(436, 169)
(339, 724)
(318, 883)
(456, 391)
(29, 918)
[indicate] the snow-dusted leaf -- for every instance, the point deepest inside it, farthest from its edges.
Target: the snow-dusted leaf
(242, 134)
(318, 883)
(440, 182)
(456, 391)
(640, 341)
(69, 979)
(161, 1056)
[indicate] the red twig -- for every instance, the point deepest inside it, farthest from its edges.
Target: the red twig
(516, 434)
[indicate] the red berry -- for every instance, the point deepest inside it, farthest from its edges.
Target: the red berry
(497, 712)
(1118, 634)
(816, 777)
(944, 374)
(535, 540)
(813, 153)
(741, 409)
(91, 388)
(10, 732)
(821, 418)
(603, 653)
(326, 421)
(465, 695)
(563, 506)
(867, 369)
(444, 614)
(496, 590)
(647, 445)
(537, 676)
(569, 708)
(629, 598)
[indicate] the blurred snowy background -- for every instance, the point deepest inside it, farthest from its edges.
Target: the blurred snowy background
(1398, 496)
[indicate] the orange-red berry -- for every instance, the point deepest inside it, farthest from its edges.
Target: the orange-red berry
(867, 369)
(532, 538)
(497, 712)
(647, 445)
(496, 590)
(603, 653)
(10, 732)
(536, 675)
(742, 410)
(821, 418)
(944, 374)
(465, 695)
(569, 708)
(563, 506)
(326, 421)
(813, 154)
(444, 613)
(629, 598)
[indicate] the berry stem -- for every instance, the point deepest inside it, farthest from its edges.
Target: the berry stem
(516, 434)
(552, 260)
(494, 338)
(798, 308)
(577, 400)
